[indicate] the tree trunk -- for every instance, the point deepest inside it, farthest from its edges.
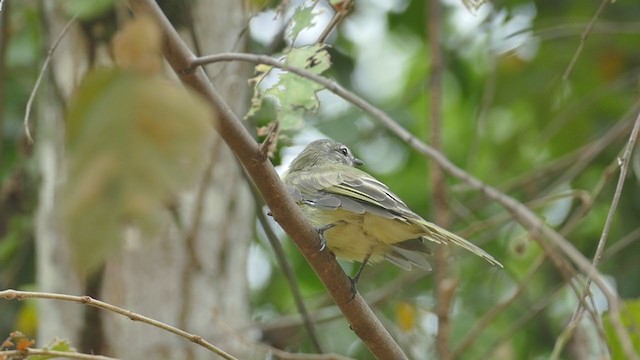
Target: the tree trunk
(193, 275)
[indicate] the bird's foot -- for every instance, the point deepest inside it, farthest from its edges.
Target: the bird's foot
(354, 280)
(321, 230)
(323, 240)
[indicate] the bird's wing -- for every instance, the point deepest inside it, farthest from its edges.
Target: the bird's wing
(354, 191)
(411, 252)
(405, 259)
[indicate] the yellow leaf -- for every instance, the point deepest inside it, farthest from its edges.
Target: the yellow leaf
(27, 319)
(406, 316)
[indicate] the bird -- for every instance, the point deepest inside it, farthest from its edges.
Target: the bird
(356, 215)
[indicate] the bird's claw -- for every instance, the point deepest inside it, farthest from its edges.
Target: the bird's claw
(323, 243)
(321, 230)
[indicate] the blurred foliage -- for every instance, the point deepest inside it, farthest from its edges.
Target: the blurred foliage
(21, 53)
(133, 140)
(631, 319)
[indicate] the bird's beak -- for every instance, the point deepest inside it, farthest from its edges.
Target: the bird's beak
(358, 161)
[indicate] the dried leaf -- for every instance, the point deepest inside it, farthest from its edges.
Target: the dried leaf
(24, 343)
(138, 46)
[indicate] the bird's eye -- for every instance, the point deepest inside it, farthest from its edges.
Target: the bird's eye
(344, 151)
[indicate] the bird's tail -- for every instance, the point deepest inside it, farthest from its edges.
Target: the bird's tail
(439, 235)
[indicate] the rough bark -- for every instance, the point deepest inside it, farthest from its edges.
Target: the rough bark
(190, 276)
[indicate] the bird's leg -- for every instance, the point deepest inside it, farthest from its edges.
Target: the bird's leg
(321, 230)
(354, 280)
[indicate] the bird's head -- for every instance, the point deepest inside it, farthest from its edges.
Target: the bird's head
(324, 152)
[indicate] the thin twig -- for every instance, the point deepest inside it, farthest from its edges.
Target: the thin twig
(521, 213)
(285, 323)
(568, 227)
(45, 65)
(623, 162)
(583, 39)
(281, 257)
(339, 14)
(621, 244)
(591, 152)
(624, 167)
(270, 143)
(570, 30)
(87, 300)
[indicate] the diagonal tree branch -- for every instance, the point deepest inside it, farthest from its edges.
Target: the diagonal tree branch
(360, 317)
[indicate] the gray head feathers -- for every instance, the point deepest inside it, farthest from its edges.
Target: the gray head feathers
(323, 152)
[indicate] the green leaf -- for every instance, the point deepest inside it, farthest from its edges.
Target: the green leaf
(630, 316)
(62, 345)
(293, 95)
(133, 141)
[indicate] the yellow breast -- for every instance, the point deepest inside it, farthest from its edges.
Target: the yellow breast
(355, 235)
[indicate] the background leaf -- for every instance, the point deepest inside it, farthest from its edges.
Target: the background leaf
(631, 320)
(134, 140)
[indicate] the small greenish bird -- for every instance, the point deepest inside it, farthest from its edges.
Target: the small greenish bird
(357, 216)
